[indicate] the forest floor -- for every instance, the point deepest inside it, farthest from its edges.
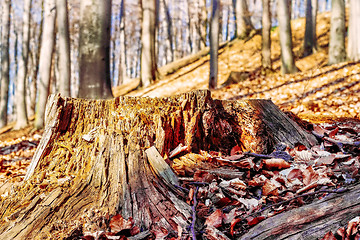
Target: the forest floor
(317, 93)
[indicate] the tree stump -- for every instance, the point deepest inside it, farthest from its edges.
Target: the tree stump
(92, 160)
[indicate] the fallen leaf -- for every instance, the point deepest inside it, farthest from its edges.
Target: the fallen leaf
(118, 223)
(275, 163)
(215, 219)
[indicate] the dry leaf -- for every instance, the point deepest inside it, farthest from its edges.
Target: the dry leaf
(118, 223)
(215, 219)
(275, 163)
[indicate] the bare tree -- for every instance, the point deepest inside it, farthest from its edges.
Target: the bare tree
(243, 20)
(310, 41)
(287, 56)
(94, 49)
(266, 37)
(148, 55)
(214, 43)
(64, 47)
(5, 62)
(21, 111)
(353, 47)
(337, 51)
(45, 61)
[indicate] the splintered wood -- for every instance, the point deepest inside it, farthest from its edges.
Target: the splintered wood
(92, 156)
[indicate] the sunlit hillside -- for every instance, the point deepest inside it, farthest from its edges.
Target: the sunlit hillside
(317, 90)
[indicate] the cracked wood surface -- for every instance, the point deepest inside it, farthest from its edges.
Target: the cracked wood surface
(92, 156)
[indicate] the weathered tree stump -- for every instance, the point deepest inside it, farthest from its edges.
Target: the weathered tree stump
(92, 158)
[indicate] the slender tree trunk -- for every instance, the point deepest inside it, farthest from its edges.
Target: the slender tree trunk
(148, 58)
(310, 41)
(35, 57)
(287, 56)
(169, 30)
(5, 62)
(353, 48)
(94, 49)
(337, 51)
(243, 20)
(64, 47)
(214, 43)
(21, 111)
(45, 61)
(266, 37)
(122, 57)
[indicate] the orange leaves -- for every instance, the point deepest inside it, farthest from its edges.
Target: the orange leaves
(215, 219)
(275, 163)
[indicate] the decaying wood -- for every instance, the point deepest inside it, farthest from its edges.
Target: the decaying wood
(92, 158)
(310, 221)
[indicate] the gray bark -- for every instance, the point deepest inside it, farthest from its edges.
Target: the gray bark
(122, 57)
(94, 49)
(45, 61)
(243, 20)
(353, 47)
(214, 43)
(4, 92)
(337, 51)
(64, 47)
(266, 38)
(287, 56)
(310, 41)
(168, 25)
(21, 111)
(148, 58)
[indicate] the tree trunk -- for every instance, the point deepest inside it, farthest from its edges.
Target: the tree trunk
(148, 55)
(64, 47)
(92, 159)
(5, 62)
(214, 43)
(287, 56)
(45, 61)
(337, 51)
(353, 48)
(311, 221)
(243, 20)
(21, 111)
(266, 36)
(310, 40)
(169, 31)
(122, 56)
(94, 49)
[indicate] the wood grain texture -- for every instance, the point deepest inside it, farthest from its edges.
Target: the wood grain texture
(92, 159)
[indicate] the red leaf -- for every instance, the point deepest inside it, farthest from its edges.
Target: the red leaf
(254, 220)
(233, 223)
(329, 236)
(235, 150)
(215, 219)
(118, 223)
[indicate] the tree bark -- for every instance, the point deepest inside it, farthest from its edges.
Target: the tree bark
(353, 48)
(214, 43)
(337, 51)
(287, 55)
(45, 61)
(243, 20)
(148, 55)
(5, 62)
(21, 110)
(310, 40)
(266, 37)
(94, 49)
(64, 47)
(92, 158)
(311, 221)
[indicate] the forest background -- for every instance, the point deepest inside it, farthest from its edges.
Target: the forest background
(181, 28)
